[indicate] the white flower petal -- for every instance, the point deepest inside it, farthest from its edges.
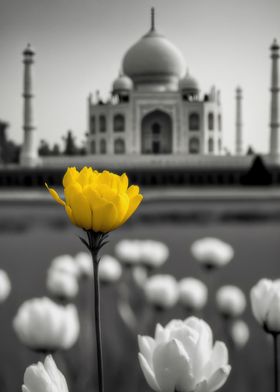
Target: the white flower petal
(261, 295)
(146, 347)
(218, 359)
(273, 314)
(172, 367)
(218, 379)
(148, 373)
(202, 387)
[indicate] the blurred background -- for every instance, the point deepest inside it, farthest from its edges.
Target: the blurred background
(192, 117)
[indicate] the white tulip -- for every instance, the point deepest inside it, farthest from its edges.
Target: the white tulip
(231, 301)
(182, 358)
(212, 252)
(5, 286)
(265, 301)
(153, 254)
(162, 291)
(110, 269)
(62, 285)
(66, 264)
(44, 377)
(193, 293)
(84, 263)
(42, 325)
(150, 253)
(128, 252)
(240, 333)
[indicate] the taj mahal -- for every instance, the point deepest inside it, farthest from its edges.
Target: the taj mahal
(156, 118)
(156, 106)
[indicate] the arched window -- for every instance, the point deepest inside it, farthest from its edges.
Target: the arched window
(92, 147)
(210, 145)
(211, 121)
(119, 146)
(194, 145)
(102, 123)
(92, 124)
(219, 122)
(119, 123)
(156, 129)
(194, 122)
(103, 146)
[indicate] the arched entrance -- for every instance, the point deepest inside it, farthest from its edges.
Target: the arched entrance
(156, 132)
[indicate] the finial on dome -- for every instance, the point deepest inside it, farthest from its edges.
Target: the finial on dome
(152, 19)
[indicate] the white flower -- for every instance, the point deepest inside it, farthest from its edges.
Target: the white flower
(193, 293)
(110, 269)
(182, 358)
(150, 253)
(265, 301)
(42, 325)
(128, 251)
(153, 254)
(5, 286)
(212, 252)
(66, 264)
(44, 377)
(239, 332)
(62, 285)
(84, 263)
(162, 291)
(231, 301)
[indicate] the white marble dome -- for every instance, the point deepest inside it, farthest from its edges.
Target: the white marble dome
(189, 83)
(154, 59)
(122, 83)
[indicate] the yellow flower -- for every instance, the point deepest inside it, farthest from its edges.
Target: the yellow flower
(101, 202)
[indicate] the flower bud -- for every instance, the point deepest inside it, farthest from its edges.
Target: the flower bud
(231, 301)
(212, 252)
(265, 301)
(62, 285)
(5, 286)
(84, 263)
(127, 251)
(65, 264)
(162, 291)
(192, 294)
(153, 254)
(110, 269)
(44, 326)
(240, 333)
(44, 377)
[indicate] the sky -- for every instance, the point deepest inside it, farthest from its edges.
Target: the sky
(80, 45)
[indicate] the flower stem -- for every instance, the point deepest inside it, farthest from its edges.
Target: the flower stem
(95, 260)
(275, 349)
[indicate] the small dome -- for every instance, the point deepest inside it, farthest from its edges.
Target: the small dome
(189, 83)
(122, 83)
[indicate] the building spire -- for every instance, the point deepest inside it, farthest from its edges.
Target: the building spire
(28, 156)
(153, 19)
(238, 122)
(274, 103)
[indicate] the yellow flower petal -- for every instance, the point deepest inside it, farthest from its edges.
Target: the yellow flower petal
(81, 211)
(84, 176)
(106, 192)
(72, 189)
(121, 203)
(133, 205)
(123, 183)
(109, 217)
(132, 191)
(70, 214)
(70, 176)
(93, 197)
(55, 195)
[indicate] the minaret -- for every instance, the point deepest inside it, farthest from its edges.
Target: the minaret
(274, 105)
(29, 155)
(238, 123)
